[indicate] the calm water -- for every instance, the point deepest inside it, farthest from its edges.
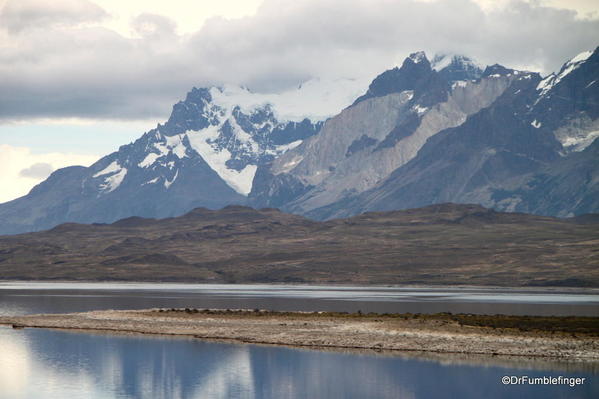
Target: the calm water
(27, 297)
(37, 363)
(51, 364)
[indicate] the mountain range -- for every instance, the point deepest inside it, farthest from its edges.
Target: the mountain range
(426, 132)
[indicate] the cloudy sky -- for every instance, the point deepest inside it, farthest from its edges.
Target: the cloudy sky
(78, 78)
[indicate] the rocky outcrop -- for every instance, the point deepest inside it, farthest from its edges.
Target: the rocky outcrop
(532, 150)
(379, 133)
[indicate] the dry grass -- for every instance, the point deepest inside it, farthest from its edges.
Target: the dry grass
(443, 244)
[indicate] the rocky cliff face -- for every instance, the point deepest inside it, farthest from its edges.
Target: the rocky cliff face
(383, 130)
(529, 151)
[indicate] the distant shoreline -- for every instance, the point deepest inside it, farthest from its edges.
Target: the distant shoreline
(562, 338)
(167, 283)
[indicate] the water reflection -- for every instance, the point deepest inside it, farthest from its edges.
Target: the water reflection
(54, 364)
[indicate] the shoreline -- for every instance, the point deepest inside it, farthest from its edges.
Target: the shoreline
(560, 338)
(305, 284)
(166, 283)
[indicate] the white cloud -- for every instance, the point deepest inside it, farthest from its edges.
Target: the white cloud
(40, 14)
(91, 71)
(153, 25)
(189, 15)
(14, 160)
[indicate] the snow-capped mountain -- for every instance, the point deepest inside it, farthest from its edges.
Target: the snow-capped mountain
(384, 129)
(457, 68)
(206, 154)
(446, 130)
(532, 150)
(566, 103)
(233, 130)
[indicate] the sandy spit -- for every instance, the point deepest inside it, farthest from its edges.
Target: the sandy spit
(313, 330)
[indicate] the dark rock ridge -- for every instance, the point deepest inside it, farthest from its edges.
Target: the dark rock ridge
(415, 74)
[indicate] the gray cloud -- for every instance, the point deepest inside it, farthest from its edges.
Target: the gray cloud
(154, 26)
(94, 72)
(37, 171)
(19, 15)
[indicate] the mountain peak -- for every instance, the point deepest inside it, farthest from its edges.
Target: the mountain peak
(196, 95)
(415, 69)
(445, 60)
(418, 57)
(496, 69)
(572, 64)
(456, 67)
(416, 60)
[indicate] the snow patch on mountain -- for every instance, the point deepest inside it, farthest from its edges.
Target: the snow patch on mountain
(286, 147)
(201, 141)
(581, 57)
(578, 144)
(167, 183)
(116, 176)
(113, 167)
(419, 109)
(149, 160)
(154, 180)
(112, 182)
(443, 60)
(165, 146)
(458, 83)
(550, 81)
(316, 99)
(288, 166)
(175, 145)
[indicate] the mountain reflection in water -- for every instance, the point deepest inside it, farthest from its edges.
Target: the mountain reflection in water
(57, 364)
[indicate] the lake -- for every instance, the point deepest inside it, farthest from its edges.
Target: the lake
(49, 297)
(37, 363)
(53, 364)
